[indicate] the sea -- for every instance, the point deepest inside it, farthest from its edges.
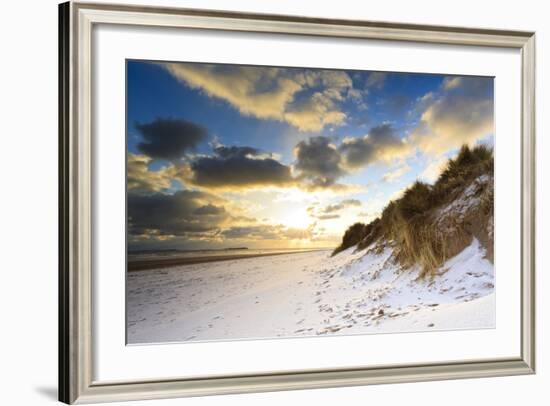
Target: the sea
(147, 255)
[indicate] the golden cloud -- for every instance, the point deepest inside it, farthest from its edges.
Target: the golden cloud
(141, 179)
(463, 114)
(269, 93)
(451, 82)
(318, 112)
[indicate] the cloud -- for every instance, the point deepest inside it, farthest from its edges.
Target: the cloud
(311, 208)
(240, 86)
(167, 138)
(318, 165)
(333, 79)
(141, 179)
(318, 161)
(237, 151)
(209, 210)
(331, 211)
(397, 173)
(342, 205)
(376, 79)
(358, 97)
(262, 232)
(297, 233)
(380, 144)
(314, 114)
(272, 93)
(461, 113)
(267, 232)
(328, 216)
(185, 213)
(239, 167)
(322, 163)
(355, 94)
(399, 104)
(451, 82)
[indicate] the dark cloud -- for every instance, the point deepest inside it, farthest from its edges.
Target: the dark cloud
(181, 214)
(342, 205)
(167, 138)
(239, 167)
(321, 163)
(318, 161)
(262, 232)
(244, 219)
(330, 212)
(267, 232)
(237, 152)
(318, 165)
(328, 216)
(381, 144)
(209, 210)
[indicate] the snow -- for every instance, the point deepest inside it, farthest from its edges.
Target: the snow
(468, 200)
(309, 293)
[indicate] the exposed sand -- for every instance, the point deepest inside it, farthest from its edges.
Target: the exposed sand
(309, 293)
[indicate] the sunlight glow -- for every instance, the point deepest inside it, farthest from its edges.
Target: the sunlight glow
(295, 218)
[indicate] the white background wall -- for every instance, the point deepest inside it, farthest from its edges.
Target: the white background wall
(28, 215)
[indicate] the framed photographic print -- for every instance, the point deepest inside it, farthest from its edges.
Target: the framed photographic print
(262, 202)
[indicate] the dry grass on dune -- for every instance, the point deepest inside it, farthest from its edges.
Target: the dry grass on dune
(422, 231)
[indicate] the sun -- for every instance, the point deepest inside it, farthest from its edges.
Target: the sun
(295, 218)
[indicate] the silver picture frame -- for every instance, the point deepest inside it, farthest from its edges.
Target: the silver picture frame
(76, 21)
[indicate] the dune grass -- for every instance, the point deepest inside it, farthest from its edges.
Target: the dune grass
(409, 221)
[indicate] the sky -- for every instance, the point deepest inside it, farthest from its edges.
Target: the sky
(223, 156)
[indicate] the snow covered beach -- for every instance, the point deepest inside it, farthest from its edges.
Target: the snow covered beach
(307, 294)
